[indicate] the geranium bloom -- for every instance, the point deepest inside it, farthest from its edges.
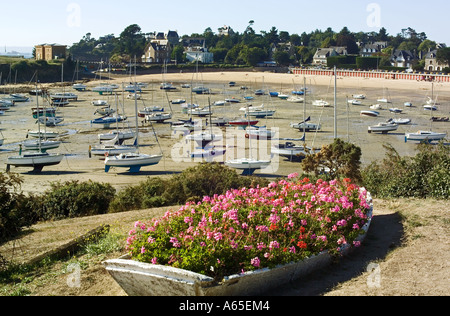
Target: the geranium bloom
(255, 262)
(254, 228)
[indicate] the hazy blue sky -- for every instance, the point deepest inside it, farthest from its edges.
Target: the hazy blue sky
(27, 23)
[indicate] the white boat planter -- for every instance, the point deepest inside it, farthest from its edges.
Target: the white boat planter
(144, 279)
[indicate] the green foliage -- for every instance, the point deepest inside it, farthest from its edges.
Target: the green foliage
(16, 210)
(147, 194)
(424, 176)
(74, 199)
(190, 185)
(368, 62)
(337, 160)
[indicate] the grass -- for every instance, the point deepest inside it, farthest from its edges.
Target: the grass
(10, 59)
(19, 279)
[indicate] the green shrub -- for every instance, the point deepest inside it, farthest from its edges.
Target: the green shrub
(147, 194)
(74, 199)
(16, 209)
(206, 179)
(424, 176)
(190, 185)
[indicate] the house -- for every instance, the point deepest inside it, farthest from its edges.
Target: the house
(200, 54)
(322, 54)
(157, 51)
(371, 49)
(195, 49)
(50, 51)
(226, 31)
(403, 59)
(431, 62)
(160, 46)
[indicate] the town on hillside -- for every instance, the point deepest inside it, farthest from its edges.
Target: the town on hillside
(408, 51)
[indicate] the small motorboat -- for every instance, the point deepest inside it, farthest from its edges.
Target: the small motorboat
(395, 110)
(383, 128)
(370, 113)
(424, 136)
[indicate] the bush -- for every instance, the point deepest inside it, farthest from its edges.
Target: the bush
(424, 176)
(74, 199)
(16, 209)
(147, 194)
(337, 160)
(206, 180)
(191, 185)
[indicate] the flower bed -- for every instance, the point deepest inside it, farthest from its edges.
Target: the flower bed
(249, 231)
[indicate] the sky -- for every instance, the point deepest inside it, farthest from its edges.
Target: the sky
(28, 23)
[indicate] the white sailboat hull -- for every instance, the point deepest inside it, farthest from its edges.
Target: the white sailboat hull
(383, 128)
(36, 161)
(247, 163)
(112, 150)
(292, 152)
(306, 126)
(132, 161)
(45, 145)
(123, 135)
(158, 117)
(423, 136)
(44, 135)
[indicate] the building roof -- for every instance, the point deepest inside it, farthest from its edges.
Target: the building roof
(54, 44)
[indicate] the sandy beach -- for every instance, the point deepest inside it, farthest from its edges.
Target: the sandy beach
(79, 133)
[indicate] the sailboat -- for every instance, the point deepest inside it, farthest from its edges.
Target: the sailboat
(248, 165)
(112, 147)
(291, 151)
(132, 160)
(37, 160)
(204, 138)
(425, 136)
(207, 151)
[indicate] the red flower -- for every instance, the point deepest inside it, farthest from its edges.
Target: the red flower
(302, 245)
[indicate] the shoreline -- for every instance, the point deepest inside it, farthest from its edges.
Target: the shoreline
(80, 133)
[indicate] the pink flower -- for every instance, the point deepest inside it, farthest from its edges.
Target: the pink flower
(293, 175)
(154, 261)
(218, 236)
(255, 262)
(175, 242)
(274, 245)
(262, 228)
(143, 250)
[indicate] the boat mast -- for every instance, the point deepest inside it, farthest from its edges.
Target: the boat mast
(304, 112)
(135, 108)
(335, 103)
(39, 121)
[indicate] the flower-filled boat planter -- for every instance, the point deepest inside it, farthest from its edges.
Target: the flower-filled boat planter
(245, 242)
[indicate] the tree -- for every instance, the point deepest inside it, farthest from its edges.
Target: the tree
(443, 55)
(178, 53)
(339, 159)
(132, 41)
(282, 58)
